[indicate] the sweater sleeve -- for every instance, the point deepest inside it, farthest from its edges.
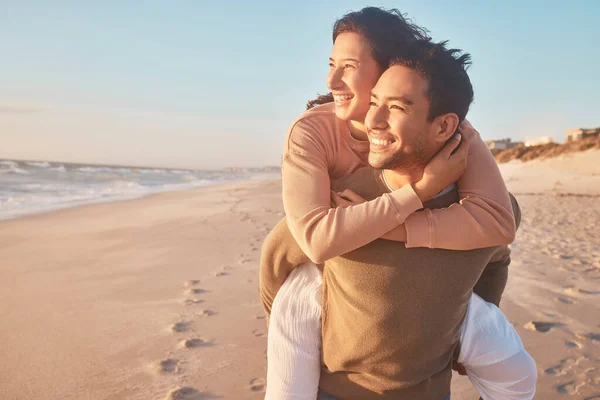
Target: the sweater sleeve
(323, 232)
(483, 217)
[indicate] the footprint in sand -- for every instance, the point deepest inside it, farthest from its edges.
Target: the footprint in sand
(168, 366)
(206, 313)
(568, 388)
(575, 292)
(244, 259)
(557, 370)
(257, 385)
(191, 283)
(541, 326)
(258, 333)
(181, 326)
(188, 393)
(589, 336)
(261, 317)
(196, 291)
(566, 300)
(573, 344)
(191, 302)
(194, 343)
(221, 273)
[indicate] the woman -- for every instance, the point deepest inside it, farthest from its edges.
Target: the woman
(329, 142)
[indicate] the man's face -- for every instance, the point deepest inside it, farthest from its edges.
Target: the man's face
(399, 132)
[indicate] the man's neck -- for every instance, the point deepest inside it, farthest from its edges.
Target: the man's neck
(396, 179)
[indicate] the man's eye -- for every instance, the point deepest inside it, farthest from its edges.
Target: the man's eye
(348, 66)
(372, 104)
(331, 65)
(395, 107)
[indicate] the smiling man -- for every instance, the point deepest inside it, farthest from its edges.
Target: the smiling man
(393, 318)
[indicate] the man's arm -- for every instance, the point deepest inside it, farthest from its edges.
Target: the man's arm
(492, 282)
(279, 256)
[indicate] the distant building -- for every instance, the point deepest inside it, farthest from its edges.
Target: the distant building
(581, 133)
(539, 141)
(501, 144)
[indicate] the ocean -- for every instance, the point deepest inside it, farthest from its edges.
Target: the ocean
(28, 187)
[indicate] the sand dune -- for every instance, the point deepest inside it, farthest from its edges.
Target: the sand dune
(157, 298)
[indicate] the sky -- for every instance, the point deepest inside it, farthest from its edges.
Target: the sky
(211, 84)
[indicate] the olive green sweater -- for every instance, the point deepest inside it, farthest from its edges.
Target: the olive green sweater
(391, 315)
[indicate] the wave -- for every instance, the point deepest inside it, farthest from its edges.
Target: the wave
(14, 170)
(43, 164)
(104, 169)
(151, 171)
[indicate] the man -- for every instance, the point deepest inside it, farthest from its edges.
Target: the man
(391, 316)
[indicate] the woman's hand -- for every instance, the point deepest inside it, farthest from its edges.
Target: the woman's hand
(345, 198)
(445, 168)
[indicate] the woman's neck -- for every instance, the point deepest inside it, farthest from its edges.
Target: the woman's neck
(358, 130)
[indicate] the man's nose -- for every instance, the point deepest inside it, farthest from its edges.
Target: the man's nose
(334, 79)
(377, 118)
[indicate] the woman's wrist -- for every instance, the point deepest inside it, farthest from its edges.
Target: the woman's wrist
(420, 189)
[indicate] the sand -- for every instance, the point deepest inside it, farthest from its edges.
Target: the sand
(157, 298)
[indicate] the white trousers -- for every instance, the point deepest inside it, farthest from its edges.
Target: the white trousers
(491, 351)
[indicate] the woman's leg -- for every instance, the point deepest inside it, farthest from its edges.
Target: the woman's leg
(294, 341)
(493, 354)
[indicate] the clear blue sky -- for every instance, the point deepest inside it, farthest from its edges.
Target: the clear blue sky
(209, 84)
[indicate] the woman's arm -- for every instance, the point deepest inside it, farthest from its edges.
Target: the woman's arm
(323, 232)
(483, 218)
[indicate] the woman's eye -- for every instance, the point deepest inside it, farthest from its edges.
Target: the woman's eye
(372, 104)
(394, 107)
(330, 65)
(348, 66)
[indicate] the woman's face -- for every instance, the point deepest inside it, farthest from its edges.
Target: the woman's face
(353, 72)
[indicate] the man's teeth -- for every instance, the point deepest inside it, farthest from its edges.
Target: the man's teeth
(342, 97)
(381, 142)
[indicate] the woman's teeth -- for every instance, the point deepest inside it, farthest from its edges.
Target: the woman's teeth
(340, 98)
(381, 142)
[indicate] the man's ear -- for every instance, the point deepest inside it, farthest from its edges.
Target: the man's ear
(444, 126)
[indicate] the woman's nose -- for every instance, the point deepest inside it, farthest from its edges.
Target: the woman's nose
(334, 79)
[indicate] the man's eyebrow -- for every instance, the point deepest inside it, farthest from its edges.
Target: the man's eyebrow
(402, 99)
(346, 59)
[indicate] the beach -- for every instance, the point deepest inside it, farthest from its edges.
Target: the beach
(157, 297)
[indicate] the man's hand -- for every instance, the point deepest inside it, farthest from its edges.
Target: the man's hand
(444, 169)
(345, 198)
(458, 367)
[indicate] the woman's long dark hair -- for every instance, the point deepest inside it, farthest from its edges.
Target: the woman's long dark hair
(383, 29)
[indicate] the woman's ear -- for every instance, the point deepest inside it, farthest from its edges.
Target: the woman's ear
(445, 126)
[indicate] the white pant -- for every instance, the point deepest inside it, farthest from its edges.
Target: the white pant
(492, 352)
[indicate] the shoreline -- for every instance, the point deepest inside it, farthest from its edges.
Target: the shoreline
(118, 199)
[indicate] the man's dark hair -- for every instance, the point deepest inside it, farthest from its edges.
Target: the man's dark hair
(384, 30)
(450, 89)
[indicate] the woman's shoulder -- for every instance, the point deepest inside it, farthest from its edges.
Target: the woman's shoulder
(319, 124)
(317, 117)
